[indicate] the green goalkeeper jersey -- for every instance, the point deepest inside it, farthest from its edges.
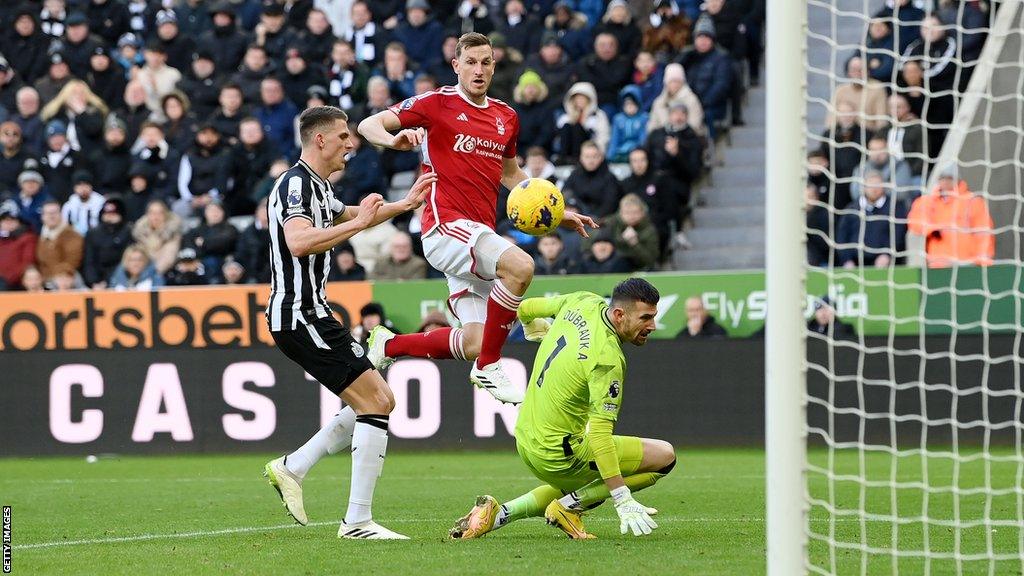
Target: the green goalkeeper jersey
(577, 374)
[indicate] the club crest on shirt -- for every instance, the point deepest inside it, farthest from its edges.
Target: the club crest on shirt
(501, 126)
(613, 390)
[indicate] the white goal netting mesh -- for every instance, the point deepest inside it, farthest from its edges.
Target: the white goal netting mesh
(915, 134)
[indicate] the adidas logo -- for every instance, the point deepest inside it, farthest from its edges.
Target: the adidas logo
(462, 117)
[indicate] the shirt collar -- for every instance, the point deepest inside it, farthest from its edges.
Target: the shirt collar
(877, 203)
(458, 90)
(312, 172)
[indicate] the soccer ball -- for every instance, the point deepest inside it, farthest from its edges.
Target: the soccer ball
(536, 206)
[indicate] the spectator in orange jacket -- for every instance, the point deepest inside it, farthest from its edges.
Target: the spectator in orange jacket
(955, 223)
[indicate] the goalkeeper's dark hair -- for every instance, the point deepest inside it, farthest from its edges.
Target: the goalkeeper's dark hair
(635, 290)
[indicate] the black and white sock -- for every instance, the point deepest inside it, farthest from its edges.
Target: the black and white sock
(369, 446)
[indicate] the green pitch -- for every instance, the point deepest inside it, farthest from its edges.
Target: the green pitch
(217, 515)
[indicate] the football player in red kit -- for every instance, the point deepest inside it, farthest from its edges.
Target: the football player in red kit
(469, 140)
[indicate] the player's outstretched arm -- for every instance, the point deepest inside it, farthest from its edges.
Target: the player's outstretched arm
(303, 238)
(540, 307)
(377, 130)
(578, 223)
(413, 200)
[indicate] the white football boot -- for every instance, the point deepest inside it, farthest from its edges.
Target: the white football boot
(368, 530)
(289, 488)
(379, 336)
(493, 379)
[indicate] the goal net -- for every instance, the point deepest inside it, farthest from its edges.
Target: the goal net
(914, 135)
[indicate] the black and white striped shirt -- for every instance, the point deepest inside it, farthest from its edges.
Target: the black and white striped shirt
(298, 285)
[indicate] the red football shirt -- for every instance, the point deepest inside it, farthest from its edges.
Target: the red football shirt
(465, 145)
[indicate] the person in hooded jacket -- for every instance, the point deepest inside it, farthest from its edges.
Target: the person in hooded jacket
(581, 121)
(106, 78)
(153, 157)
(105, 244)
(225, 41)
(26, 48)
(629, 127)
(676, 91)
(111, 162)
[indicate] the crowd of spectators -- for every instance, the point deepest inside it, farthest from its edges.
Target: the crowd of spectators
(885, 129)
(158, 126)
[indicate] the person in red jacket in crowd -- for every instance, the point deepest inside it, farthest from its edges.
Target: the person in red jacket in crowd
(17, 246)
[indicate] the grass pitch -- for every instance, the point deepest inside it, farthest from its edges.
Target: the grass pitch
(217, 515)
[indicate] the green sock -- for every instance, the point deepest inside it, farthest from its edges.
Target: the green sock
(596, 492)
(528, 505)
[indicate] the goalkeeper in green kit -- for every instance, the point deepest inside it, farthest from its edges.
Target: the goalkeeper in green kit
(564, 430)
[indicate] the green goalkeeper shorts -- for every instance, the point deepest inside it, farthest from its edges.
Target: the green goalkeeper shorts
(576, 467)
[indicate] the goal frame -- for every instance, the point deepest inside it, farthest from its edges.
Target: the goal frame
(785, 282)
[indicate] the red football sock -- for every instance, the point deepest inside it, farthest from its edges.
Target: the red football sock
(501, 316)
(439, 344)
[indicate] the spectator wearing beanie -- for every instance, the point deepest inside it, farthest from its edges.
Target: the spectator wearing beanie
(629, 127)
(198, 171)
(709, 73)
(81, 111)
(129, 54)
(251, 251)
(201, 84)
(158, 232)
(592, 184)
(106, 78)
(59, 250)
(51, 84)
(581, 121)
(226, 42)
(552, 64)
(105, 244)
(82, 210)
(17, 246)
(30, 198)
(676, 91)
(178, 47)
(298, 76)
(26, 48)
(14, 159)
(345, 268)
(601, 256)
(570, 28)
(618, 21)
(57, 164)
(110, 162)
(420, 33)
(188, 270)
(535, 111)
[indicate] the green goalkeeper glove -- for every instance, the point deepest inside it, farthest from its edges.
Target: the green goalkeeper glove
(536, 329)
(633, 516)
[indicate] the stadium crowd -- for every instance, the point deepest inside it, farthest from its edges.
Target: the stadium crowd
(140, 138)
(886, 126)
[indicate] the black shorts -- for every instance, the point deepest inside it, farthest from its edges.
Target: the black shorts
(325, 349)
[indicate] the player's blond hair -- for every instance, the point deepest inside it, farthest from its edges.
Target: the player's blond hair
(471, 40)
